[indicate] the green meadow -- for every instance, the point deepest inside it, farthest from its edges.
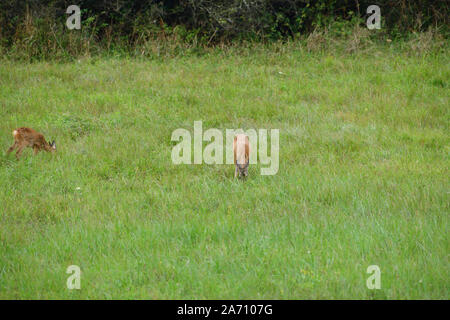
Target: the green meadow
(363, 177)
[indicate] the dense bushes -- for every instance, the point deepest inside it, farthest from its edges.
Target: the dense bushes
(36, 28)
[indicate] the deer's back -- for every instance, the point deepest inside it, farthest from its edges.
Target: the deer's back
(32, 137)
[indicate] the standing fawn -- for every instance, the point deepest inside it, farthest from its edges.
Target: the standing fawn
(27, 137)
(241, 149)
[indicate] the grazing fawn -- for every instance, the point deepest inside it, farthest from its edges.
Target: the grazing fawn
(241, 149)
(27, 137)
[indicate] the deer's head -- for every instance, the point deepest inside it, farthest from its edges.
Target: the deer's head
(242, 168)
(52, 146)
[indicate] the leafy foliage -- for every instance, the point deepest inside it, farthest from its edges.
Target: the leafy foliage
(36, 28)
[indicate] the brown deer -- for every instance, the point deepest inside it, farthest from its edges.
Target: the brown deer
(241, 150)
(27, 137)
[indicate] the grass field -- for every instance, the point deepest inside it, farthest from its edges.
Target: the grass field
(363, 178)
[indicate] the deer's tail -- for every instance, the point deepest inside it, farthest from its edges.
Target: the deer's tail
(15, 133)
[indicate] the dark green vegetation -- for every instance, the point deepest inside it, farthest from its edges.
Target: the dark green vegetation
(36, 29)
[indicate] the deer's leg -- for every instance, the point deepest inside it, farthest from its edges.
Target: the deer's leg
(19, 151)
(36, 150)
(12, 147)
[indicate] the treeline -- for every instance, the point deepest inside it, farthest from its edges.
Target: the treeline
(37, 28)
